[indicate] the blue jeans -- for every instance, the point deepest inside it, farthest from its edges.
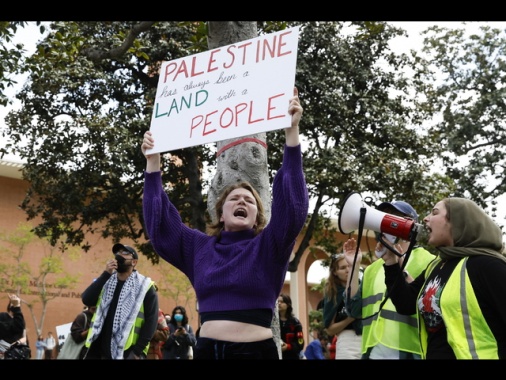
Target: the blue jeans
(212, 349)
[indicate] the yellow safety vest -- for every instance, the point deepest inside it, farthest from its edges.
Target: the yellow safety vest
(396, 331)
(468, 333)
(134, 332)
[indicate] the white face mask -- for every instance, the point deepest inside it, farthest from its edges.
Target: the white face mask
(389, 239)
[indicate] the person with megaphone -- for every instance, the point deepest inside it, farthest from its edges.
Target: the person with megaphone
(459, 297)
(385, 333)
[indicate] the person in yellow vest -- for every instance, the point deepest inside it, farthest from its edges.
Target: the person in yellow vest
(385, 333)
(127, 309)
(459, 298)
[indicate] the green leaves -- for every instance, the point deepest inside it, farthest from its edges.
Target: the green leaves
(375, 121)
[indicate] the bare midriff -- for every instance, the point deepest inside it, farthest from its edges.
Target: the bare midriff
(232, 331)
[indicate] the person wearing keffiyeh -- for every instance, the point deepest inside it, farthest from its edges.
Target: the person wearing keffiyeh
(459, 298)
(127, 309)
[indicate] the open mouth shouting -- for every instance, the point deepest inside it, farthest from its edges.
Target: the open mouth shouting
(240, 213)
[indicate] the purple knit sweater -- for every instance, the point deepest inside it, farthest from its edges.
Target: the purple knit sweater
(239, 270)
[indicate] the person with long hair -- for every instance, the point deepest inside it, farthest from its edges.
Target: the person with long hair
(292, 336)
(237, 270)
(337, 322)
(181, 336)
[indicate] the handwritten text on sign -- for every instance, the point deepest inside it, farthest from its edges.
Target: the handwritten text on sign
(232, 91)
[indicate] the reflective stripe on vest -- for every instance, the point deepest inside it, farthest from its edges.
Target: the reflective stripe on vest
(393, 330)
(468, 333)
(134, 331)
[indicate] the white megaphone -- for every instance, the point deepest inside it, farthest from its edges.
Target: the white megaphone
(349, 220)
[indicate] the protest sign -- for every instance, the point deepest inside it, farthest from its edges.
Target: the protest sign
(62, 331)
(232, 91)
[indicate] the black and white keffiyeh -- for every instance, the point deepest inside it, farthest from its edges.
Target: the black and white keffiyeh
(129, 304)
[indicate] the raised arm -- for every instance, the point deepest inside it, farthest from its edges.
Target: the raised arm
(152, 160)
(294, 109)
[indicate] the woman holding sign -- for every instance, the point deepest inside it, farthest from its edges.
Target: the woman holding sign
(238, 270)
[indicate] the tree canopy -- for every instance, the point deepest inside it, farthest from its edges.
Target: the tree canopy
(89, 100)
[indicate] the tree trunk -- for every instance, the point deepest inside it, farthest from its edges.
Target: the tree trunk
(240, 159)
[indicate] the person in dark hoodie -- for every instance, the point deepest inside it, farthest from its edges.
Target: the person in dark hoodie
(12, 323)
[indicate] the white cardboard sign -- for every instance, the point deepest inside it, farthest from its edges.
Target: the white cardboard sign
(61, 332)
(232, 91)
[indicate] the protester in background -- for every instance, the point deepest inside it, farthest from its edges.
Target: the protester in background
(335, 318)
(80, 326)
(386, 334)
(50, 343)
(40, 347)
(238, 271)
(318, 348)
(181, 336)
(12, 323)
(292, 338)
(459, 298)
(159, 337)
(127, 309)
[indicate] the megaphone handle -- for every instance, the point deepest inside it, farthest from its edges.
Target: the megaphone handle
(410, 248)
(388, 246)
(405, 261)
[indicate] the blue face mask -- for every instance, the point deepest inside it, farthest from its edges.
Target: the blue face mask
(178, 317)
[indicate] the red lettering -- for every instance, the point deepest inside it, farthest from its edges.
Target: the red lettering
(232, 55)
(197, 119)
(282, 44)
(244, 52)
(207, 123)
(230, 115)
(212, 60)
(238, 109)
(182, 69)
(250, 120)
(269, 48)
(270, 108)
(194, 63)
(169, 69)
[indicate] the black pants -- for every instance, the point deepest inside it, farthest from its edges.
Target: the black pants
(212, 349)
(48, 354)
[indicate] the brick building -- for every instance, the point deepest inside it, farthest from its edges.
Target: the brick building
(89, 265)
